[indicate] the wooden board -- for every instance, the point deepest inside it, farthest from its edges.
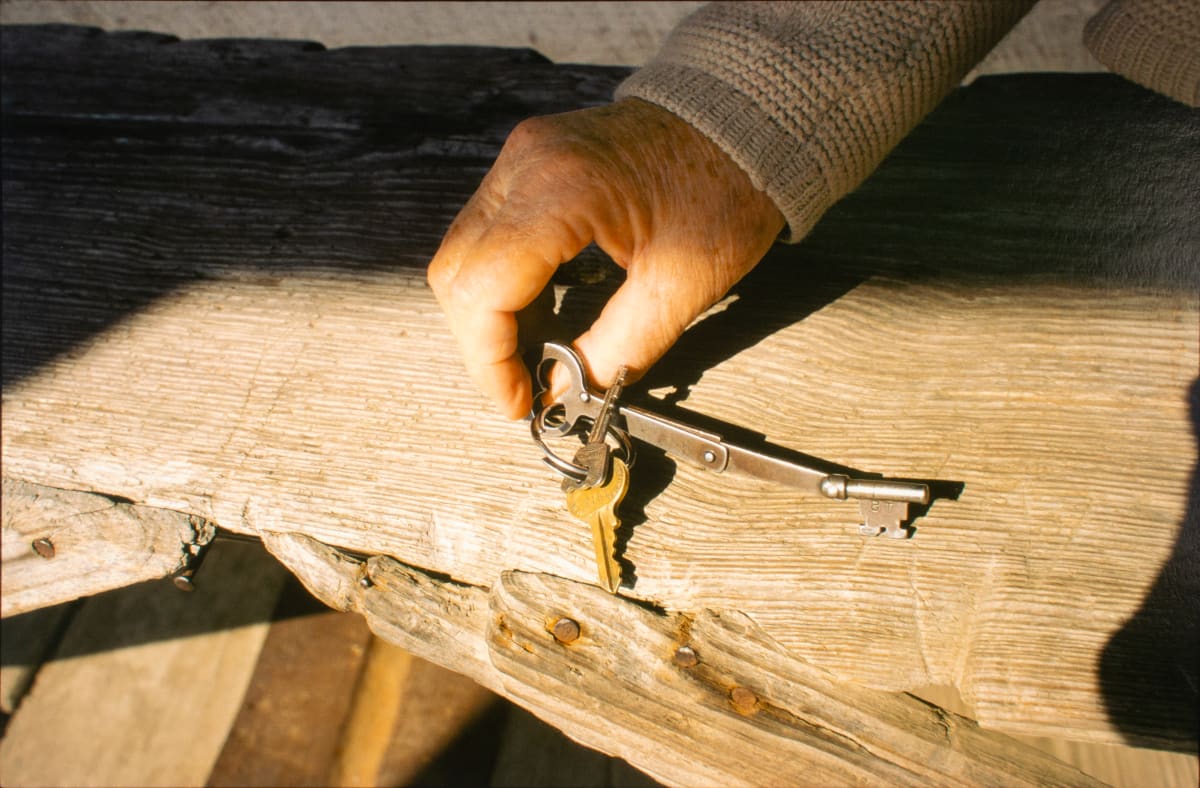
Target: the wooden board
(207, 309)
(146, 681)
(99, 542)
(289, 728)
(621, 686)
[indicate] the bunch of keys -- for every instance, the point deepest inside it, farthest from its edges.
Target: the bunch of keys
(597, 479)
(595, 498)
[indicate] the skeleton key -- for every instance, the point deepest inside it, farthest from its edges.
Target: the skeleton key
(883, 502)
(597, 506)
(595, 455)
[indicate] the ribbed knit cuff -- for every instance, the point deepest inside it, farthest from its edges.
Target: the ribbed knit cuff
(777, 163)
(808, 98)
(1156, 45)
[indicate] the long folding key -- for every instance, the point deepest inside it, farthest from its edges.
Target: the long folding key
(883, 503)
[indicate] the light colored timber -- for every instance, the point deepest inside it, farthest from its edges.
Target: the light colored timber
(377, 443)
(90, 543)
(146, 682)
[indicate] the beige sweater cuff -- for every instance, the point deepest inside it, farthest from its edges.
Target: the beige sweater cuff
(1156, 44)
(808, 98)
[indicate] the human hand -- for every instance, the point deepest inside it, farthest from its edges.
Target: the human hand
(663, 201)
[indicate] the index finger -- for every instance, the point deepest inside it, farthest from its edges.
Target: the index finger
(484, 280)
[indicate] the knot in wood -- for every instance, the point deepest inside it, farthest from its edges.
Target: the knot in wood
(566, 630)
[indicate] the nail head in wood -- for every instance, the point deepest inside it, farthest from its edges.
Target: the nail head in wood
(44, 547)
(686, 657)
(185, 580)
(566, 630)
(743, 699)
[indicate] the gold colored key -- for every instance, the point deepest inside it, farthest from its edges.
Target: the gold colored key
(597, 506)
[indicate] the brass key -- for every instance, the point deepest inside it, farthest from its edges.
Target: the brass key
(597, 506)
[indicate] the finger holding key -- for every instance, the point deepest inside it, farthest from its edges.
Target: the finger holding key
(482, 280)
(661, 199)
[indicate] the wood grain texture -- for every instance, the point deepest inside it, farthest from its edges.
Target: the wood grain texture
(796, 725)
(207, 309)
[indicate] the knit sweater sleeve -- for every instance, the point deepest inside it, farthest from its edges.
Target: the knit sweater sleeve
(1155, 44)
(809, 97)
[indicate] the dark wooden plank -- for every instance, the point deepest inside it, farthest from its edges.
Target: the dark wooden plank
(536, 755)
(447, 730)
(218, 158)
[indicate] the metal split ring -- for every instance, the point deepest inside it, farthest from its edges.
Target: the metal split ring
(547, 420)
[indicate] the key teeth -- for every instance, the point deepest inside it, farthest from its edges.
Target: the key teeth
(614, 582)
(884, 517)
(894, 532)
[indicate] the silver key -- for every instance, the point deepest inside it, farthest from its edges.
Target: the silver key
(595, 455)
(883, 502)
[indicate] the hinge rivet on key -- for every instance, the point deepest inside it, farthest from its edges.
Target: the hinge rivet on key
(710, 456)
(566, 631)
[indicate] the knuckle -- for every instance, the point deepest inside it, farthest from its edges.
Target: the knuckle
(440, 277)
(531, 131)
(546, 144)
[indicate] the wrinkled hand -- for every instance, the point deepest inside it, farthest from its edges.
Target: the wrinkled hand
(658, 197)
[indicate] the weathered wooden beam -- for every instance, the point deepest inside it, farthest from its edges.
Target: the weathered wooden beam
(207, 310)
(61, 545)
(668, 693)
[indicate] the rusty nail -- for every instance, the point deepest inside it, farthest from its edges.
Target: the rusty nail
(43, 547)
(743, 699)
(185, 580)
(685, 657)
(566, 630)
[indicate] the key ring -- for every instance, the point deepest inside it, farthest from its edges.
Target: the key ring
(544, 420)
